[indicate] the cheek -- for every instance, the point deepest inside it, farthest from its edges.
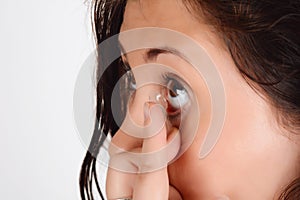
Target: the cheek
(242, 166)
(250, 164)
(251, 160)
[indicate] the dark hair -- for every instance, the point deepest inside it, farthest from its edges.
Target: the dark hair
(263, 38)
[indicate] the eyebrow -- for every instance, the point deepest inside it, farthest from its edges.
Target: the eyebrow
(151, 54)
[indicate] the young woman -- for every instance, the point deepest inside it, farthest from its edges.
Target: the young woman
(255, 47)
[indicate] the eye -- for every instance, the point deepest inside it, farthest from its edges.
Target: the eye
(130, 84)
(127, 85)
(177, 95)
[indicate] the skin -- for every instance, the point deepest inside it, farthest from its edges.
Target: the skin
(252, 158)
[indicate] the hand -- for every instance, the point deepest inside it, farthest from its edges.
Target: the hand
(151, 179)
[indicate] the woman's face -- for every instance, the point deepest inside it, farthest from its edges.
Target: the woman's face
(251, 159)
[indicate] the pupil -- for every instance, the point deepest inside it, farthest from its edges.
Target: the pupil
(172, 93)
(174, 87)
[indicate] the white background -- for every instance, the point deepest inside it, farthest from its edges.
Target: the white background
(42, 46)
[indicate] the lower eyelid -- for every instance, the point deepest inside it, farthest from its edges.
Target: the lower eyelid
(175, 120)
(182, 110)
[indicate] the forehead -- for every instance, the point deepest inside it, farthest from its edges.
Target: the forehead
(171, 14)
